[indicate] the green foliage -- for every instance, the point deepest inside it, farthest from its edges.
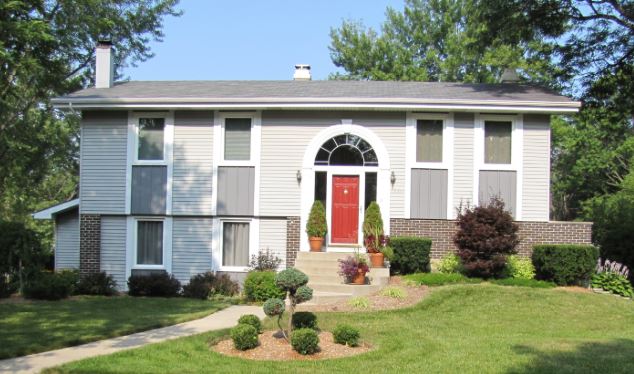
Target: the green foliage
(304, 320)
(565, 264)
(6, 287)
(205, 285)
(450, 263)
(97, 284)
(21, 255)
(158, 284)
(253, 320)
(274, 307)
(305, 341)
(373, 227)
(411, 254)
(394, 292)
(303, 294)
(244, 337)
(359, 302)
(50, 286)
(614, 283)
(346, 335)
(260, 286)
(523, 282)
(439, 279)
(317, 225)
(265, 260)
(519, 267)
(388, 252)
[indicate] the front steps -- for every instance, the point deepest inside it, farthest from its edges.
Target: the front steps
(328, 286)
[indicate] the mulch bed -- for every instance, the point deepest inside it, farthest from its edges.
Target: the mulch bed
(377, 301)
(275, 348)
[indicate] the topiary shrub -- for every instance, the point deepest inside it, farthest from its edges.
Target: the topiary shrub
(160, 284)
(260, 286)
(373, 228)
(411, 254)
(253, 320)
(486, 236)
(203, 285)
(97, 284)
(346, 335)
(293, 283)
(565, 264)
(449, 264)
(265, 260)
(49, 286)
(520, 268)
(317, 225)
(274, 307)
(305, 341)
(244, 337)
(304, 320)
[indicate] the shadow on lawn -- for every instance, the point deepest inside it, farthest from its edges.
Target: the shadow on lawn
(616, 356)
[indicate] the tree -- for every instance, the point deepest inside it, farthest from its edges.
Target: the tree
(293, 283)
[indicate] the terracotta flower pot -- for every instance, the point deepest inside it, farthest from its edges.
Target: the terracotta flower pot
(376, 259)
(359, 278)
(316, 243)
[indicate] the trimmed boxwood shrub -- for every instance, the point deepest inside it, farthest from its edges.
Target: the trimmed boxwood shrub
(411, 254)
(305, 341)
(97, 284)
(304, 320)
(244, 337)
(50, 286)
(260, 286)
(203, 285)
(251, 319)
(346, 335)
(159, 284)
(565, 264)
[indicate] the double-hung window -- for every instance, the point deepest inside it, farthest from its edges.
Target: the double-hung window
(151, 139)
(149, 242)
(237, 145)
(497, 142)
(429, 138)
(235, 244)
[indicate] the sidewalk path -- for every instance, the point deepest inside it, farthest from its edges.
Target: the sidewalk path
(220, 320)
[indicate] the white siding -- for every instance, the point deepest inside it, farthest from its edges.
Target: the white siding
(463, 160)
(113, 236)
(191, 247)
(103, 162)
(536, 158)
(193, 163)
(67, 240)
(273, 237)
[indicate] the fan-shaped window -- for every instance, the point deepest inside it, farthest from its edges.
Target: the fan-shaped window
(346, 149)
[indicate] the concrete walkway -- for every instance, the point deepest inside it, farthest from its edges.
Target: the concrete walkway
(220, 320)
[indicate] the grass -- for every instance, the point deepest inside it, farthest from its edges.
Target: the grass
(523, 282)
(359, 302)
(439, 279)
(394, 292)
(461, 328)
(37, 326)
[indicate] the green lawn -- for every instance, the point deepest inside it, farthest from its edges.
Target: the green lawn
(37, 326)
(480, 328)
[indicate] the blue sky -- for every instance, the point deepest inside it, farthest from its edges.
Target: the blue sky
(253, 39)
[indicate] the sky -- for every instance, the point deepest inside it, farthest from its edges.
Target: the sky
(263, 40)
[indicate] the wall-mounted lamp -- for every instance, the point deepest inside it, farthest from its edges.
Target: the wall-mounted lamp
(393, 178)
(299, 176)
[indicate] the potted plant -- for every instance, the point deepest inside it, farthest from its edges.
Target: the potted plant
(354, 268)
(316, 227)
(373, 236)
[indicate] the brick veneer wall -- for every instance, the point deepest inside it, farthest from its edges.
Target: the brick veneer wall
(292, 240)
(530, 233)
(89, 243)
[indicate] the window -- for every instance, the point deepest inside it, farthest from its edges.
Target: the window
(497, 142)
(235, 244)
(346, 149)
(429, 140)
(321, 186)
(151, 139)
(370, 188)
(238, 139)
(149, 243)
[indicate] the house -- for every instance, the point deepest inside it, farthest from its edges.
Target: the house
(191, 176)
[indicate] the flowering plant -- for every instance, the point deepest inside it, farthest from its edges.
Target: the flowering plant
(612, 277)
(350, 266)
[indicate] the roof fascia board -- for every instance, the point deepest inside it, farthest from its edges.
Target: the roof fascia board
(48, 213)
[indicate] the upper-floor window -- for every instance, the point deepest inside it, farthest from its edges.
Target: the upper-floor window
(237, 139)
(429, 133)
(497, 142)
(151, 139)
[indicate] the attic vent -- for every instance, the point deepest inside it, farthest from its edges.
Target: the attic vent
(302, 72)
(510, 76)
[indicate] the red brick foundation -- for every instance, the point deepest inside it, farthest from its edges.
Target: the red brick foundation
(89, 244)
(292, 240)
(441, 233)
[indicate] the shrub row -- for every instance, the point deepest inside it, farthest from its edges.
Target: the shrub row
(411, 254)
(565, 264)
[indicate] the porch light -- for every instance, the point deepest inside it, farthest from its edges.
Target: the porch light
(393, 178)
(299, 176)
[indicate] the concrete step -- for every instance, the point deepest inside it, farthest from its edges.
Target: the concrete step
(321, 297)
(334, 256)
(354, 290)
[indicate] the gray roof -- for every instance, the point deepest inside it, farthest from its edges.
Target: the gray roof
(316, 92)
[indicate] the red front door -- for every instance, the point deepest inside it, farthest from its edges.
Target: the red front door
(345, 209)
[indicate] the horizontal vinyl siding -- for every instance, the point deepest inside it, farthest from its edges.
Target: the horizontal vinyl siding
(113, 255)
(67, 241)
(463, 160)
(536, 159)
(193, 163)
(103, 162)
(191, 247)
(273, 238)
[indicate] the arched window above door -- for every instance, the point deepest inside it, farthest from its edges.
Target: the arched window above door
(347, 150)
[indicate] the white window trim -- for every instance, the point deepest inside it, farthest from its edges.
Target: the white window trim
(255, 127)
(217, 242)
(447, 156)
(131, 244)
(517, 150)
(132, 154)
